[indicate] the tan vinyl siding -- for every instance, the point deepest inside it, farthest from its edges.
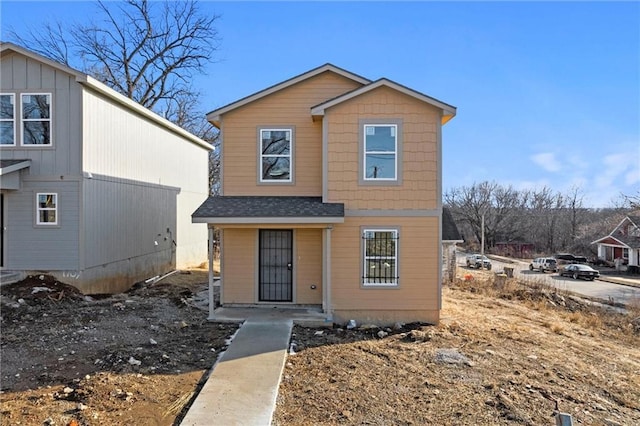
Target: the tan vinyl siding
(238, 267)
(308, 267)
(419, 169)
(418, 260)
(289, 107)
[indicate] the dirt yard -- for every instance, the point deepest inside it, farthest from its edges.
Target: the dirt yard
(498, 357)
(129, 359)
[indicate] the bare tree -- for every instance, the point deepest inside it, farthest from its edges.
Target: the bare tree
(631, 201)
(550, 220)
(146, 50)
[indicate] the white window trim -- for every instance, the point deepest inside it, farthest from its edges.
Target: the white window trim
(395, 153)
(13, 120)
(26, 120)
(365, 282)
(39, 209)
(261, 155)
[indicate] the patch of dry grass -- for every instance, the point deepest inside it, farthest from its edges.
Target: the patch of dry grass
(537, 295)
(525, 350)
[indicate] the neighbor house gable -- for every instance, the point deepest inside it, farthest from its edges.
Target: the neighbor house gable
(625, 234)
(7, 49)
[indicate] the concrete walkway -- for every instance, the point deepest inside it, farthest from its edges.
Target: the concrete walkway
(243, 387)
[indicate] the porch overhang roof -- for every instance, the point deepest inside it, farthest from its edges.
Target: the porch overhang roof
(10, 166)
(616, 242)
(10, 173)
(268, 210)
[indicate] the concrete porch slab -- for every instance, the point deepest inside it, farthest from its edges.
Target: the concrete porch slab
(305, 316)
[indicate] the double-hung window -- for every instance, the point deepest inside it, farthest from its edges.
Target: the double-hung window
(380, 257)
(7, 119)
(380, 152)
(36, 118)
(275, 155)
(46, 208)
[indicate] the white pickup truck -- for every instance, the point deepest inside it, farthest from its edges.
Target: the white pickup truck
(478, 261)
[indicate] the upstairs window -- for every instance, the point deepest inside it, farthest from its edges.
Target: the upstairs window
(380, 152)
(275, 155)
(47, 209)
(380, 257)
(7, 119)
(36, 119)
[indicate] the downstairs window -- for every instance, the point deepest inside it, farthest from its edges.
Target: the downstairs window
(47, 209)
(380, 257)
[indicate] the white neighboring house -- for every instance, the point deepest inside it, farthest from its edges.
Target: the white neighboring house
(622, 243)
(94, 188)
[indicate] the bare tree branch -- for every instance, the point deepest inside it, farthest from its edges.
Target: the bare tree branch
(146, 50)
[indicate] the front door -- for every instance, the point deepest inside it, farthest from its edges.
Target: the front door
(276, 265)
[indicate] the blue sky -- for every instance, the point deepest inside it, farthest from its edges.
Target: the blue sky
(548, 93)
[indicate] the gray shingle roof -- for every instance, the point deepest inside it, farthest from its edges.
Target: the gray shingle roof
(449, 229)
(263, 206)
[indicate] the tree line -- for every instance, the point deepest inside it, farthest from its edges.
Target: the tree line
(545, 220)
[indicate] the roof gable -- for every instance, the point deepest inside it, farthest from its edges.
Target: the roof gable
(215, 115)
(10, 48)
(448, 111)
(449, 229)
(632, 220)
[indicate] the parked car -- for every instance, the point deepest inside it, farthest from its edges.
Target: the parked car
(564, 258)
(544, 264)
(478, 261)
(578, 270)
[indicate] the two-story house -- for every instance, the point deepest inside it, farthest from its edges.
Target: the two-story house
(623, 242)
(331, 197)
(94, 189)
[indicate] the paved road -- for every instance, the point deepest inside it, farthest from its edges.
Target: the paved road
(598, 289)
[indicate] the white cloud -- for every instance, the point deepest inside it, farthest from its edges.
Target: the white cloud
(622, 165)
(547, 160)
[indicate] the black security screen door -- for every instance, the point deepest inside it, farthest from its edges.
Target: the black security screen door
(276, 268)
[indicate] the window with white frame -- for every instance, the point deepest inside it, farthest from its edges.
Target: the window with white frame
(380, 257)
(7, 119)
(36, 118)
(47, 208)
(380, 152)
(275, 155)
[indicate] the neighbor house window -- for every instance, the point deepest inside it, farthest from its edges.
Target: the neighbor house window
(47, 209)
(380, 257)
(36, 119)
(7, 119)
(380, 152)
(275, 155)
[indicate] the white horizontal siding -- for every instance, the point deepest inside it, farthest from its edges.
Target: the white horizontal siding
(123, 144)
(124, 220)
